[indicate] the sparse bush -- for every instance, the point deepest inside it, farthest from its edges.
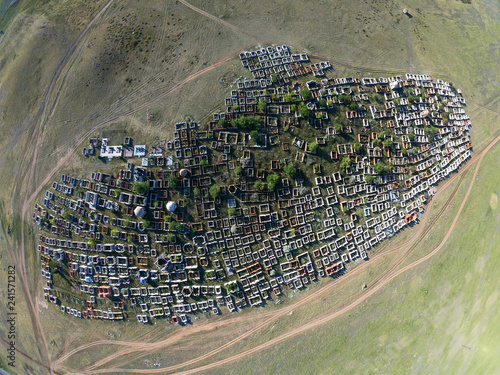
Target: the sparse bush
(272, 181)
(258, 185)
(141, 187)
(313, 147)
(214, 190)
(291, 171)
(305, 93)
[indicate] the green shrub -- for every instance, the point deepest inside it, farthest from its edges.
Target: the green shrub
(222, 123)
(345, 164)
(313, 146)
(173, 182)
(273, 180)
(262, 105)
(291, 170)
(141, 187)
(305, 93)
(254, 135)
(304, 111)
(258, 185)
(214, 190)
(369, 179)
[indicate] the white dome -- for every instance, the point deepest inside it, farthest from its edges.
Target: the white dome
(139, 211)
(171, 206)
(183, 172)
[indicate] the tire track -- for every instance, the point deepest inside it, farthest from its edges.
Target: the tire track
(217, 19)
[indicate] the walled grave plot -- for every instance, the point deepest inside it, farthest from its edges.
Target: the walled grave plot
(300, 175)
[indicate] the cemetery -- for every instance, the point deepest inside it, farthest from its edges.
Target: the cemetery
(298, 174)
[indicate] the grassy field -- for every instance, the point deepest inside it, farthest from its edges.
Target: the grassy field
(55, 89)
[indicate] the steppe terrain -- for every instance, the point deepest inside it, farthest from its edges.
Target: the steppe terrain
(71, 69)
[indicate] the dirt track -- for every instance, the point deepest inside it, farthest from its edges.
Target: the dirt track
(211, 16)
